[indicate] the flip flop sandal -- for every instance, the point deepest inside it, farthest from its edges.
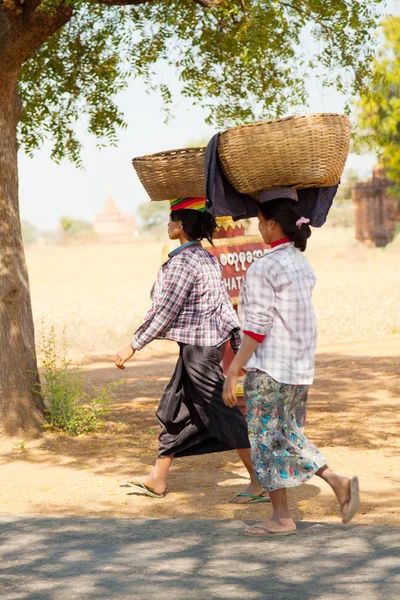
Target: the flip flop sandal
(141, 487)
(264, 532)
(353, 501)
(254, 499)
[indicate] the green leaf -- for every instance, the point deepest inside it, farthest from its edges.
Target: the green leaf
(238, 66)
(379, 107)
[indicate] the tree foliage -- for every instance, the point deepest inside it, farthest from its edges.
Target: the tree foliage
(241, 60)
(154, 216)
(29, 233)
(379, 109)
(74, 227)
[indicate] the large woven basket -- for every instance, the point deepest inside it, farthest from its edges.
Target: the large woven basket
(172, 174)
(303, 151)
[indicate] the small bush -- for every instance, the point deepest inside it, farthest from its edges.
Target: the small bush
(29, 233)
(68, 407)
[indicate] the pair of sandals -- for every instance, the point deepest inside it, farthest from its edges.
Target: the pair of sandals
(141, 487)
(352, 501)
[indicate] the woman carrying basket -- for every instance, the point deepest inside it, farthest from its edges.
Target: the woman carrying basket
(279, 341)
(190, 305)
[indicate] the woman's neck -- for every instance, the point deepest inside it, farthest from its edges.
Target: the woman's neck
(183, 239)
(276, 235)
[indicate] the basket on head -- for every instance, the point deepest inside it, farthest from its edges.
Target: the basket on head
(299, 152)
(172, 174)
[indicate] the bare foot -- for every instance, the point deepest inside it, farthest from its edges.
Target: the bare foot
(276, 526)
(254, 489)
(341, 488)
(351, 503)
(152, 483)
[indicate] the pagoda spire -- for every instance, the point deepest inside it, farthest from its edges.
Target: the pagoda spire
(110, 207)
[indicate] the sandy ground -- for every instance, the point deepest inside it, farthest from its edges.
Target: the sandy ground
(101, 293)
(353, 416)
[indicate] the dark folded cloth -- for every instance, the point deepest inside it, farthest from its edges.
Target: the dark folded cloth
(315, 203)
(322, 204)
(223, 200)
(274, 193)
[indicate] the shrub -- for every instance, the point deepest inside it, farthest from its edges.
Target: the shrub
(29, 233)
(68, 407)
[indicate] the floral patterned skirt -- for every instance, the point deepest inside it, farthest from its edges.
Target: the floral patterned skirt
(282, 456)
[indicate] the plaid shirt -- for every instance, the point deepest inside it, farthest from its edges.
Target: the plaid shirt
(275, 301)
(190, 303)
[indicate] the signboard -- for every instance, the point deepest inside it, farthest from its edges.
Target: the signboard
(235, 256)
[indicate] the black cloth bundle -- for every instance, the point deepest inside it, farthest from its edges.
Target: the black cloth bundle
(223, 200)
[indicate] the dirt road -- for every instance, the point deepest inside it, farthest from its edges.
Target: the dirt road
(353, 416)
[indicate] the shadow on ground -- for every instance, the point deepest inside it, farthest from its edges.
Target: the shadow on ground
(64, 558)
(354, 403)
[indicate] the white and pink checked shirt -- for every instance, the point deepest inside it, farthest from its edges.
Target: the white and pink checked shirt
(275, 301)
(190, 303)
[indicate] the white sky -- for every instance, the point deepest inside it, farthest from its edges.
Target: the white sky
(49, 191)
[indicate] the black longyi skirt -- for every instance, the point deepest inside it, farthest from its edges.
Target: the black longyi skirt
(192, 414)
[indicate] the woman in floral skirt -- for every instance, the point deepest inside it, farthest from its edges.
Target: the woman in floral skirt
(277, 351)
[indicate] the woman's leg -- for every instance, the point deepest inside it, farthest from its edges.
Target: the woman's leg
(340, 486)
(254, 487)
(156, 481)
(170, 405)
(281, 519)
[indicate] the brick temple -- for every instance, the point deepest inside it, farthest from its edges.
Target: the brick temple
(114, 226)
(376, 211)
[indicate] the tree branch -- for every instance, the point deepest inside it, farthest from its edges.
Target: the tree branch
(23, 30)
(121, 2)
(307, 14)
(203, 3)
(208, 3)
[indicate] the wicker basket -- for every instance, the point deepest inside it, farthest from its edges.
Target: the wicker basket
(172, 174)
(299, 152)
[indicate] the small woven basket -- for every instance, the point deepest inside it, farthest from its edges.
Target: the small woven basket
(298, 152)
(172, 174)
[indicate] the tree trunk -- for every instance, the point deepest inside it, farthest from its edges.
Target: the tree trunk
(21, 407)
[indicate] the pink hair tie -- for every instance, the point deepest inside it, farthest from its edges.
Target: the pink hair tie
(302, 221)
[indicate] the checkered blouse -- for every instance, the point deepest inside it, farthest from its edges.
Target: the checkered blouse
(275, 301)
(190, 303)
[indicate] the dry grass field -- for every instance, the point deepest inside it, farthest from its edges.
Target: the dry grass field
(100, 293)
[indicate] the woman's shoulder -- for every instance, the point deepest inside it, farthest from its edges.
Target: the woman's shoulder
(200, 253)
(294, 261)
(261, 264)
(268, 266)
(190, 256)
(260, 269)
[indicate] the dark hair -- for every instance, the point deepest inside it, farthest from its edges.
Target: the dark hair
(197, 225)
(285, 212)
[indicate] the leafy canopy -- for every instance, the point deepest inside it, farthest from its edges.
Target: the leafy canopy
(29, 233)
(154, 216)
(242, 60)
(74, 227)
(379, 110)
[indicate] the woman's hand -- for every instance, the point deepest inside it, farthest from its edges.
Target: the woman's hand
(123, 355)
(248, 346)
(229, 391)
